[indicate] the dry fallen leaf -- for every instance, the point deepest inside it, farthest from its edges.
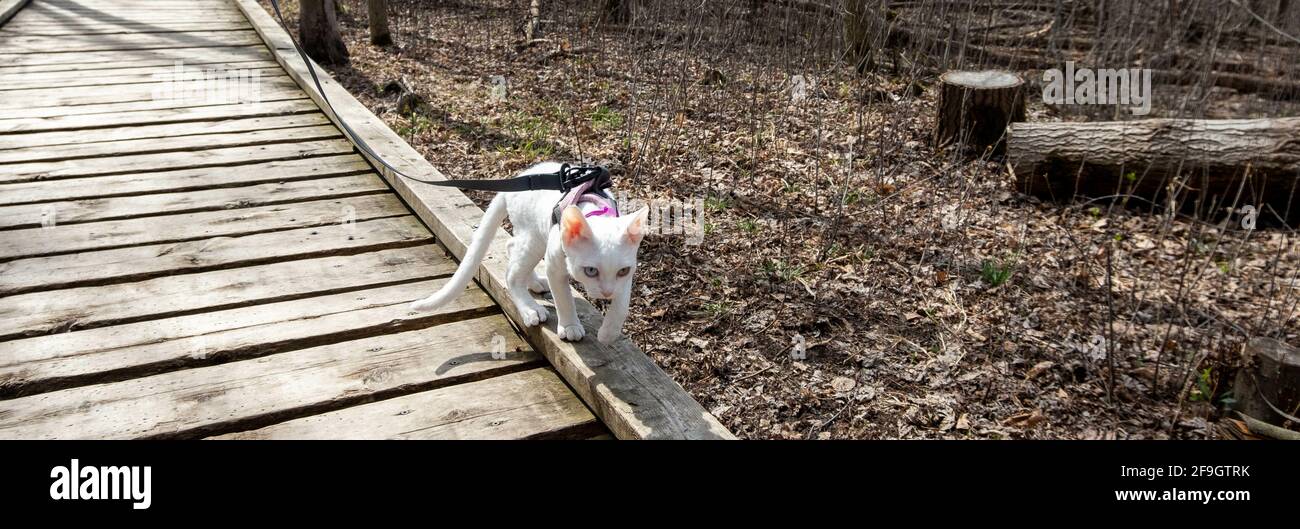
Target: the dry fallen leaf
(1027, 419)
(1038, 369)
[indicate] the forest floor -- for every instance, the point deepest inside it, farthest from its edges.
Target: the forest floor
(935, 300)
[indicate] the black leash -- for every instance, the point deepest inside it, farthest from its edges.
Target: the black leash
(563, 180)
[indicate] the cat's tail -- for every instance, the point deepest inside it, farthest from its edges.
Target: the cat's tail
(478, 246)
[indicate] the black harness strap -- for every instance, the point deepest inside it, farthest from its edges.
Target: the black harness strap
(563, 180)
(568, 177)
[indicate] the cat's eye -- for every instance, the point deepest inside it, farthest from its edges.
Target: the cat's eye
(590, 271)
(624, 271)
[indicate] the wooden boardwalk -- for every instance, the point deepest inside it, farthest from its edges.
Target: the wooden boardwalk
(181, 258)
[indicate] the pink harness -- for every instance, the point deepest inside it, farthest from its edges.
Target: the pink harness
(584, 194)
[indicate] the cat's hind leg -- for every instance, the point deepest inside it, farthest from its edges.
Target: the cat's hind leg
(539, 284)
(524, 255)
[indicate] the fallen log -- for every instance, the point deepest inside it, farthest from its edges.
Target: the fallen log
(1270, 88)
(1196, 163)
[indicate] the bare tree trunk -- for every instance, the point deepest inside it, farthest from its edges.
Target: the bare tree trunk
(870, 27)
(377, 13)
(616, 11)
(534, 20)
(318, 31)
(860, 28)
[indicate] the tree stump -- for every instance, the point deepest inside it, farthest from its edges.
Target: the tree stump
(1270, 375)
(975, 107)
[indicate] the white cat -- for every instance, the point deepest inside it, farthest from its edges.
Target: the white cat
(590, 243)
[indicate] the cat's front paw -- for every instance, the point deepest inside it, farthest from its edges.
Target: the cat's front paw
(608, 336)
(533, 314)
(571, 333)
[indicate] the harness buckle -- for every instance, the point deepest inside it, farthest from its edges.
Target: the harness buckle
(571, 177)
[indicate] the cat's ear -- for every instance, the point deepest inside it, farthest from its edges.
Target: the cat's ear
(573, 226)
(636, 226)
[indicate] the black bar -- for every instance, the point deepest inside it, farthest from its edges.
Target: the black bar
(243, 478)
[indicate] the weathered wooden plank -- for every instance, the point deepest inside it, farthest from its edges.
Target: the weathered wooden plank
(126, 41)
(136, 163)
(193, 92)
(55, 30)
(119, 4)
(71, 238)
(113, 76)
(118, 352)
(143, 262)
(40, 21)
(43, 13)
(146, 104)
(12, 144)
(40, 312)
(109, 9)
(119, 13)
(15, 64)
(123, 12)
(533, 404)
(42, 18)
(157, 116)
(226, 198)
(633, 397)
(179, 143)
(36, 18)
(104, 4)
(258, 392)
(106, 77)
(100, 4)
(182, 180)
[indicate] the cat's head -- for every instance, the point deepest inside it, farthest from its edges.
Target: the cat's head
(601, 251)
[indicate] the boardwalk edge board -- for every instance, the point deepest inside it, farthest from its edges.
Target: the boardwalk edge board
(625, 389)
(8, 8)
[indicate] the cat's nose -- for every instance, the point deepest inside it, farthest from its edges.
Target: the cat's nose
(605, 294)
